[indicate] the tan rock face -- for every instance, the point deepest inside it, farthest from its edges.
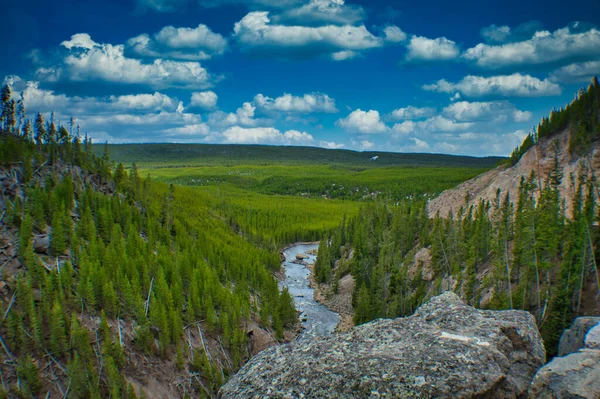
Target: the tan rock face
(259, 338)
(422, 263)
(539, 158)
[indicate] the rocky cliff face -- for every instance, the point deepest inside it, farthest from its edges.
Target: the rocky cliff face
(445, 350)
(539, 158)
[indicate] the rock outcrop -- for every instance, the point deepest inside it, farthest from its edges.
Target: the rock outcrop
(447, 349)
(41, 244)
(576, 375)
(573, 339)
(592, 338)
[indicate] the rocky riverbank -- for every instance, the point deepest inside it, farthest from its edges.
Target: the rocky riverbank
(339, 302)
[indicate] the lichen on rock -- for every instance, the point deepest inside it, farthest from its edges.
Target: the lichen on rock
(577, 374)
(447, 349)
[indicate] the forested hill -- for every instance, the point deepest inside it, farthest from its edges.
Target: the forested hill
(260, 154)
(117, 286)
(569, 137)
(514, 249)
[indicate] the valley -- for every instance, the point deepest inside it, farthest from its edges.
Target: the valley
(299, 199)
(165, 277)
(124, 281)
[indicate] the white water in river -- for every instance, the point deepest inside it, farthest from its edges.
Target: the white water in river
(317, 319)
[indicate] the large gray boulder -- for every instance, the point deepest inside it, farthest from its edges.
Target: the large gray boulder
(41, 244)
(592, 338)
(576, 375)
(572, 339)
(447, 349)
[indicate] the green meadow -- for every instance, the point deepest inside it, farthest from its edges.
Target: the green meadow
(274, 196)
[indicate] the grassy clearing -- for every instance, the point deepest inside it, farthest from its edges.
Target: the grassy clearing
(329, 181)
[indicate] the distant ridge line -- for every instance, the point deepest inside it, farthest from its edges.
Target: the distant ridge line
(237, 153)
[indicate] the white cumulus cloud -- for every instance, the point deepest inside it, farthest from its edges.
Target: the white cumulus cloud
(265, 135)
(79, 40)
(494, 33)
(543, 48)
(484, 111)
(42, 100)
(144, 102)
(88, 60)
(194, 130)
(322, 12)
(345, 55)
(365, 122)
(332, 145)
(364, 145)
(516, 85)
(204, 99)
(296, 137)
(411, 112)
(306, 104)
(577, 72)
(192, 44)
(419, 145)
(242, 116)
(255, 33)
(394, 34)
(521, 116)
(404, 128)
(439, 123)
(425, 49)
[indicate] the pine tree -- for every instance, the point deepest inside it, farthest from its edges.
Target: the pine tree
(28, 131)
(5, 94)
(58, 240)
(287, 310)
(323, 263)
(110, 299)
(58, 334)
(11, 116)
(362, 312)
(21, 114)
(40, 129)
(31, 376)
(120, 176)
(78, 380)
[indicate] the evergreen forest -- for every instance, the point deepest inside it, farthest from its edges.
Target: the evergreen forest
(156, 265)
(509, 253)
(113, 270)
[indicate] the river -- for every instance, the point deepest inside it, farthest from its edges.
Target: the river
(317, 319)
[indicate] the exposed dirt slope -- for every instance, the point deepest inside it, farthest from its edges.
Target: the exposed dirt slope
(539, 158)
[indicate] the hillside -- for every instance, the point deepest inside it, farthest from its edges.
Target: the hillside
(117, 286)
(234, 154)
(566, 143)
(540, 158)
(522, 236)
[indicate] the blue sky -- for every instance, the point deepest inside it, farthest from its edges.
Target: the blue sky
(467, 77)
